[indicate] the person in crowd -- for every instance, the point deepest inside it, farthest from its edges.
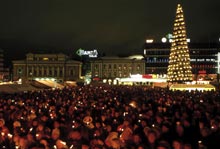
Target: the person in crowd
(110, 117)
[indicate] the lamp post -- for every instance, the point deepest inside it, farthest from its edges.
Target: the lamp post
(31, 75)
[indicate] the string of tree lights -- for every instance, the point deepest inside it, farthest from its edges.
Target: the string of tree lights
(179, 68)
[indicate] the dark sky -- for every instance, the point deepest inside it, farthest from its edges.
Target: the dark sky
(111, 26)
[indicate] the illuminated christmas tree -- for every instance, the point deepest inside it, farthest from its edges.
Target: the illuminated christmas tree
(179, 69)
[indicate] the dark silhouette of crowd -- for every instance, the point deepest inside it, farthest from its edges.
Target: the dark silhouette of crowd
(110, 117)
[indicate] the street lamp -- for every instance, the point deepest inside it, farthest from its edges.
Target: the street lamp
(31, 76)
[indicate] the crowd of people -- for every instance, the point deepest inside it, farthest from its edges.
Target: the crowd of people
(110, 117)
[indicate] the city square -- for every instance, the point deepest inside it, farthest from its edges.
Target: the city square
(163, 96)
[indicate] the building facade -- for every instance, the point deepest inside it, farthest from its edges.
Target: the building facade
(1, 65)
(4, 72)
(58, 67)
(117, 67)
(203, 59)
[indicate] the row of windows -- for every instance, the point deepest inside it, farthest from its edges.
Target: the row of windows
(45, 67)
(150, 60)
(192, 52)
(203, 52)
(113, 74)
(50, 73)
(125, 66)
(104, 72)
(45, 72)
(157, 59)
(203, 66)
(46, 59)
(157, 52)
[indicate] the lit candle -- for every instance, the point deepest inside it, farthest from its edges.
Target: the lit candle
(10, 135)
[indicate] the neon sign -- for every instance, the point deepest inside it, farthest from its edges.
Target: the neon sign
(93, 53)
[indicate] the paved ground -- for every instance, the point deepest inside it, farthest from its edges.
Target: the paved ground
(31, 86)
(14, 88)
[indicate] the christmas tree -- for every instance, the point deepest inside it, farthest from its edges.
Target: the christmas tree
(179, 68)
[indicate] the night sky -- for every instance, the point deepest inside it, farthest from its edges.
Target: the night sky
(110, 26)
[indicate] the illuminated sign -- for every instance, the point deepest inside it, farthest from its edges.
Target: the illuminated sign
(202, 60)
(93, 53)
(169, 36)
(202, 72)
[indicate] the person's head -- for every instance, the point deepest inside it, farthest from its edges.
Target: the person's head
(35, 123)
(16, 139)
(98, 124)
(39, 136)
(23, 142)
(61, 144)
(56, 124)
(140, 147)
(177, 144)
(112, 140)
(163, 145)
(97, 133)
(143, 123)
(126, 122)
(40, 127)
(159, 119)
(44, 142)
(75, 135)
(186, 123)
(30, 137)
(179, 129)
(187, 146)
(55, 134)
(117, 114)
(2, 122)
(38, 147)
(165, 127)
(85, 146)
(44, 118)
(151, 136)
(205, 132)
(136, 139)
(108, 128)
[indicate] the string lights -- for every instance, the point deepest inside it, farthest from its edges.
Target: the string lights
(179, 69)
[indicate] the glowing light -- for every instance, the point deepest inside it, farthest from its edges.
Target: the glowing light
(164, 39)
(45, 58)
(149, 41)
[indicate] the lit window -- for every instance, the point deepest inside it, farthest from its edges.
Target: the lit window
(45, 58)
